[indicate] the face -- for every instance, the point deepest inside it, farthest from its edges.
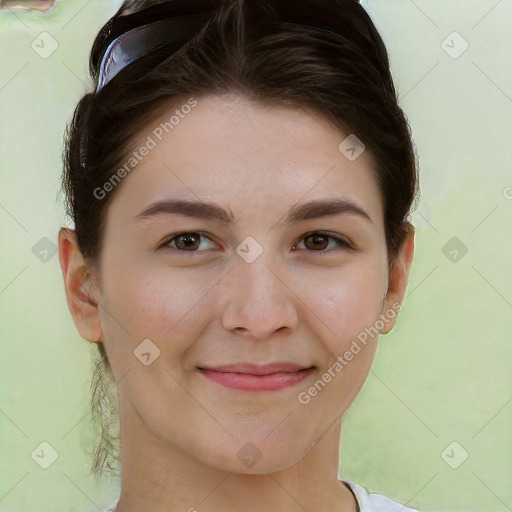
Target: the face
(263, 277)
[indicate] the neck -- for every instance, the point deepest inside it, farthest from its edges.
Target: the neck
(158, 477)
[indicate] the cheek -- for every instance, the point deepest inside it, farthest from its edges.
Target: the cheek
(147, 306)
(350, 302)
(155, 304)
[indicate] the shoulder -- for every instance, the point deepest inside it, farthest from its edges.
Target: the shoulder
(373, 502)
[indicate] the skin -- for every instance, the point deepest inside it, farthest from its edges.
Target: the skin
(299, 301)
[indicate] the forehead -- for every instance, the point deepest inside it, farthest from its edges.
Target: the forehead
(246, 156)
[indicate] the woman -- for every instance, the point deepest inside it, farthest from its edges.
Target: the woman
(240, 180)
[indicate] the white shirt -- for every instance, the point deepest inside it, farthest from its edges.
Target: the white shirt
(367, 501)
(373, 502)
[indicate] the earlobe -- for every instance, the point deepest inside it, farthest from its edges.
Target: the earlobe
(82, 305)
(390, 312)
(399, 272)
(398, 280)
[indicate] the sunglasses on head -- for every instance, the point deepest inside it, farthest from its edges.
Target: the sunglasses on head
(175, 22)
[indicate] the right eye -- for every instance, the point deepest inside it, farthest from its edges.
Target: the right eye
(188, 241)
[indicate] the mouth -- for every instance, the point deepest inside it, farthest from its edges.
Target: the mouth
(251, 377)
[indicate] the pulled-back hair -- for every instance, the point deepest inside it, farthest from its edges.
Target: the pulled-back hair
(324, 55)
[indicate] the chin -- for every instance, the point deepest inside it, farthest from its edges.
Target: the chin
(258, 457)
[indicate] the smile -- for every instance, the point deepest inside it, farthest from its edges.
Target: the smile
(254, 378)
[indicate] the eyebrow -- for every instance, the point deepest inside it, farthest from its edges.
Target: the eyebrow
(210, 211)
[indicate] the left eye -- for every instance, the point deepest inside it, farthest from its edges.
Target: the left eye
(319, 238)
(191, 241)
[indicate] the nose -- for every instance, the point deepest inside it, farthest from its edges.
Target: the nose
(259, 300)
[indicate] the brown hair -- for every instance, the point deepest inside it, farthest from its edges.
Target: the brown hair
(270, 52)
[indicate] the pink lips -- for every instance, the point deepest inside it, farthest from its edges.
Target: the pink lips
(251, 377)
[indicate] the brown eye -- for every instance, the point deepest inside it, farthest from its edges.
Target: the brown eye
(188, 241)
(185, 242)
(319, 242)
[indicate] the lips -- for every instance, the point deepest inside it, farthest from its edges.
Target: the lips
(252, 377)
(254, 369)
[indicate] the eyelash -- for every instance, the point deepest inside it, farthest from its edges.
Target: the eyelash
(341, 243)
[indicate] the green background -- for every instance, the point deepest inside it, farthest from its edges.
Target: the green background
(443, 375)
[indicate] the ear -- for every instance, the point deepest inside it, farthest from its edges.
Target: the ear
(397, 281)
(81, 303)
